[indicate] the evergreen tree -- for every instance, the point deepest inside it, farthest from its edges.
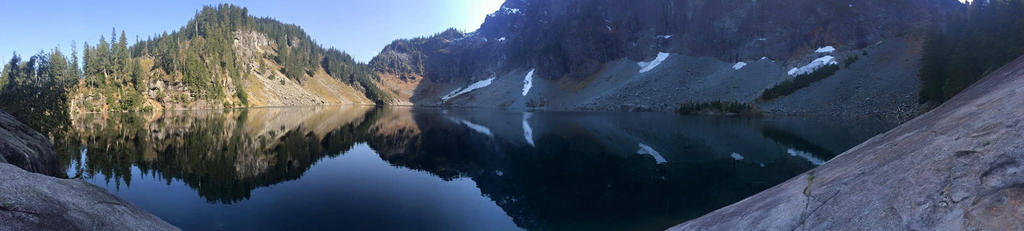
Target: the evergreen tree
(12, 71)
(57, 66)
(87, 63)
(28, 69)
(139, 77)
(75, 72)
(113, 35)
(122, 55)
(101, 61)
(933, 71)
(975, 40)
(37, 81)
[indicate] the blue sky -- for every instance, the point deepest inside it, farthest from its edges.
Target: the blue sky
(360, 27)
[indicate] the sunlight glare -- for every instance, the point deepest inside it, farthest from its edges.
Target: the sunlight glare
(480, 9)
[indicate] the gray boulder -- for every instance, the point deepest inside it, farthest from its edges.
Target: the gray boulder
(26, 148)
(958, 167)
(31, 201)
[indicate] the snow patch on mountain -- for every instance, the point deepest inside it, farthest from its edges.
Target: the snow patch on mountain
(814, 65)
(477, 128)
(739, 65)
(802, 154)
(528, 82)
(507, 11)
(826, 49)
(527, 130)
(647, 150)
(459, 91)
(648, 66)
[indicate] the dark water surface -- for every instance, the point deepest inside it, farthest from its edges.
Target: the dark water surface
(363, 168)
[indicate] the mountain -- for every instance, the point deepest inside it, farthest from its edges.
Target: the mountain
(652, 54)
(543, 55)
(222, 58)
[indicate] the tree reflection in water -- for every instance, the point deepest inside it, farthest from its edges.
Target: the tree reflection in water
(545, 170)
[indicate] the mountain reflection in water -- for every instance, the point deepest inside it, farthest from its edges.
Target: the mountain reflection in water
(402, 168)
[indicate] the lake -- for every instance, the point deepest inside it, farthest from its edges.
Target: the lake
(400, 168)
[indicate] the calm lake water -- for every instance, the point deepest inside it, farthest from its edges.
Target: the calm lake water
(364, 168)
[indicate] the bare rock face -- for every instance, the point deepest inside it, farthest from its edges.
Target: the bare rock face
(32, 201)
(26, 148)
(958, 167)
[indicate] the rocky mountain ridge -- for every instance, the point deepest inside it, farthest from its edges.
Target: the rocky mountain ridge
(222, 58)
(575, 38)
(576, 47)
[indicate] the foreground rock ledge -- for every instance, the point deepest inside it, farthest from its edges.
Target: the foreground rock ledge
(958, 167)
(33, 201)
(26, 148)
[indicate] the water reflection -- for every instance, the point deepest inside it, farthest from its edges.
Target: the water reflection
(544, 170)
(223, 156)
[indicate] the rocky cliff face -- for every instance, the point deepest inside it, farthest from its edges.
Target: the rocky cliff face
(268, 86)
(573, 44)
(957, 167)
(32, 201)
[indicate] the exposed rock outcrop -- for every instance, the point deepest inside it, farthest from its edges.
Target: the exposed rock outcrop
(32, 201)
(26, 148)
(267, 86)
(958, 167)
